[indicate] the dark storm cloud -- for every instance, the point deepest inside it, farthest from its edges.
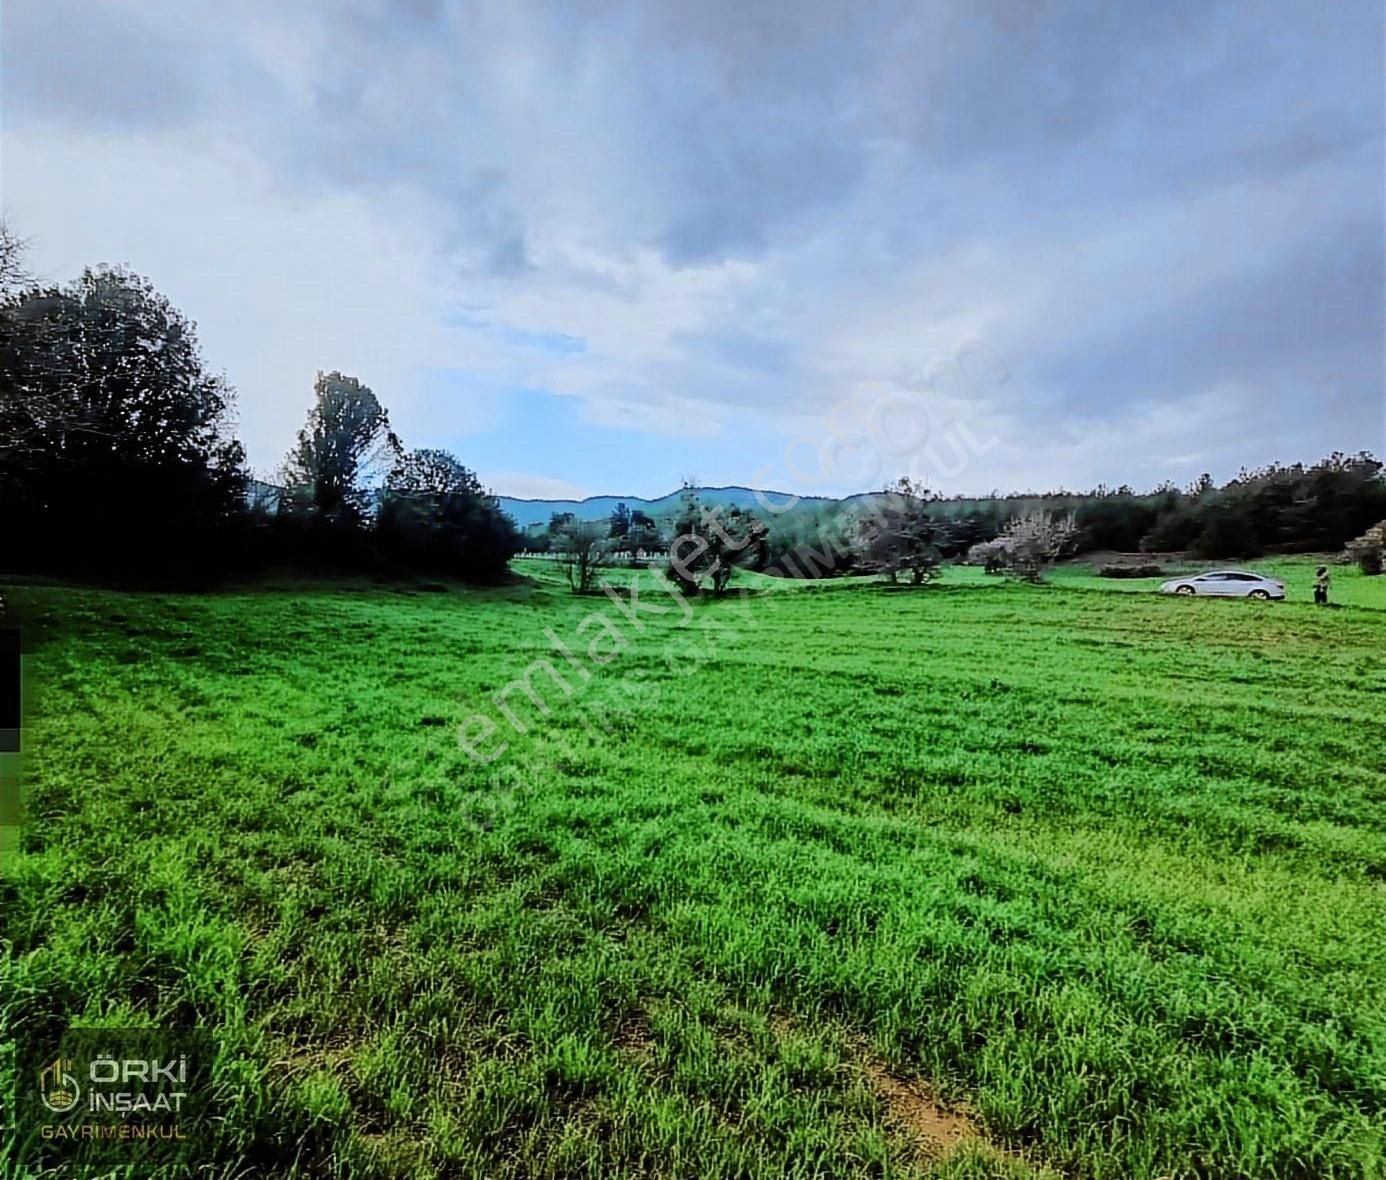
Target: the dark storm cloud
(1293, 328)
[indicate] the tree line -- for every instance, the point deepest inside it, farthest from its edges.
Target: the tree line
(1335, 505)
(1279, 508)
(118, 455)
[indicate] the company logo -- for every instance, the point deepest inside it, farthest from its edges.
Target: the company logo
(140, 1098)
(58, 1087)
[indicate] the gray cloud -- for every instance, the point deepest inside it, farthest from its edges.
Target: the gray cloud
(757, 205)
(91, 66)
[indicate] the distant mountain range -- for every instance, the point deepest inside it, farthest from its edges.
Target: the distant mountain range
(532, 512)
(527, 513)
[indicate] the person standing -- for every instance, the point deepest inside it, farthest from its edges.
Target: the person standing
(1322, 580)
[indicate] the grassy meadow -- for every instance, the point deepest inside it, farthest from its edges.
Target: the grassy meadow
(977, 881)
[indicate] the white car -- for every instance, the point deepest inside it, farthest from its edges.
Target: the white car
(1227, 583)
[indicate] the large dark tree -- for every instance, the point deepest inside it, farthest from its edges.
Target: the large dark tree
(435, 514)
(114, 437)
(643, 532)
(620, 522)
(346, 442)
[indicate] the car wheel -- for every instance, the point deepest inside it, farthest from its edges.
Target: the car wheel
(1184, 590)
(1263, 595)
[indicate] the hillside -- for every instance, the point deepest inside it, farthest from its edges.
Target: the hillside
(529, 512)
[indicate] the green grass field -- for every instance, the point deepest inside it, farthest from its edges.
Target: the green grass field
(983, 880)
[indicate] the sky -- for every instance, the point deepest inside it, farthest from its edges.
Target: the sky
(598, 248)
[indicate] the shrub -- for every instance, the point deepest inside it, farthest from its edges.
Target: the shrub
(990, 554)
(1130, 571)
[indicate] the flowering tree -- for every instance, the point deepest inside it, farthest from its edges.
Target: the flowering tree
(1369, 550)
(1027, 544)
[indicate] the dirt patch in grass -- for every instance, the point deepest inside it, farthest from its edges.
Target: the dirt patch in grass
(938, 1130)
(634, 1037)
(913, 1107)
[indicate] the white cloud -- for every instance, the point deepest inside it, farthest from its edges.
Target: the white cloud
(281, 283)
